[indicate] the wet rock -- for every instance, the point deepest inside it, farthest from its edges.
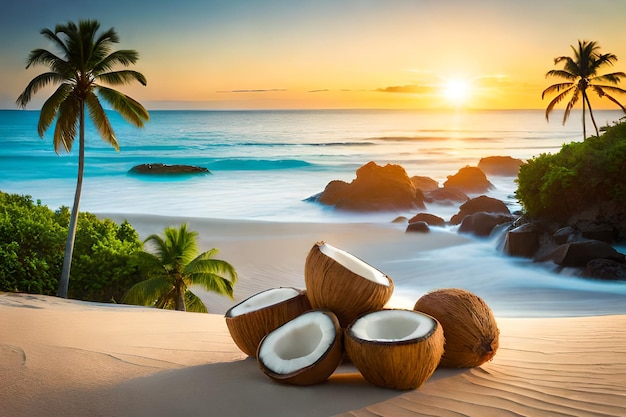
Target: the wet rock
(522, 241)
(445, 196)
(469, 180)
(506, 166)
(160, 169)
(482, 224)
(418, 227)
(605, 269)
(428, 218)
(477, 204)
(578, 254)
(424, 183)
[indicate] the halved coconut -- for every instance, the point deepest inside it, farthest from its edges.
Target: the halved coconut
(343, 283)
(469, 326)
(395, 348)
(303, 351)
(249, 321)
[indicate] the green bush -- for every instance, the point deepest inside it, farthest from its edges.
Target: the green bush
(581, 175)
(107, 259)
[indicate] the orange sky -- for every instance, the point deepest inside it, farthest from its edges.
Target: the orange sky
(282, 54)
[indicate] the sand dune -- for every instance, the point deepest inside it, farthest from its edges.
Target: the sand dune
(69, 358)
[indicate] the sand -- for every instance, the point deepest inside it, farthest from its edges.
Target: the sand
(70, 358)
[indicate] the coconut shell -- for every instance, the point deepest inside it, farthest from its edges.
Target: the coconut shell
(247, 330)
(331, 285)
(401, 365)
(320, 370)
(469, 326)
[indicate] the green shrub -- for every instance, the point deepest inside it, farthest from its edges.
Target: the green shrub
(107, 258)
(580, 176)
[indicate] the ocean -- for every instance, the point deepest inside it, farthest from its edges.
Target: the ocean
(265, 164)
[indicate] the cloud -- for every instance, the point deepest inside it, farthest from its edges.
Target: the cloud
(408, 89)
(253, 91)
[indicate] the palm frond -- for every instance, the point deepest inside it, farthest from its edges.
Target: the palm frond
(124, 57)
(101, 121)
(556, 100)
(51, 106)
(47, 58)
(613, 78)
(122, 77)
(556, 88)
(194, 304)
(36, 84)
(562, 74)
(131, 110)
(205, 264)
(571, 104)
(600, 90)
(52, 36)
(148, 292)
(214, 283)
(67, 121)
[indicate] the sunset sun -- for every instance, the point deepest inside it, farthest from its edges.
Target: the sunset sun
(456, 91)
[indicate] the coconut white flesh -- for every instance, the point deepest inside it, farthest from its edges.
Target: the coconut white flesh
(354, 264)
(392, 326)
(264, 299)
(297, 344)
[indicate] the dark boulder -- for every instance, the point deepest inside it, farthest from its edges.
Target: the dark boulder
(418, 227)
(522, 241)
(445, 196)
(604, 232)
(469, 180)
(161, 169)
(477, 204)
(428, 218)
(482, 224)
(376, 188)
(605, 269)
(578, 254)
(505, 166)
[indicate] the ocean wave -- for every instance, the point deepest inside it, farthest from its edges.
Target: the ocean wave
(256, 164)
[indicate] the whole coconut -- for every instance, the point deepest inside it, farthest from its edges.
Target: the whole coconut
(469, 326)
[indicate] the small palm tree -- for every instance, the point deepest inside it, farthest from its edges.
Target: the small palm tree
(180, 268)
(581, 74)
(84, 60)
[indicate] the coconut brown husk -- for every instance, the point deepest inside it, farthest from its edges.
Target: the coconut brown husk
(331, 285)
(320, 370)
(247, 330)
(401, 365)
(470, 328)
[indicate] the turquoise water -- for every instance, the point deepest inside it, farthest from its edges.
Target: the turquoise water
(265, 163)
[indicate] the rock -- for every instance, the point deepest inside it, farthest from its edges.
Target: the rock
(469, 180)
(376, 188)
(564, 235)
(424, 183)
(418, 227)
(500, 165)
(603, 232)
(605, 269)
(400, 219)
(481, 203)
(482, 223)
(578, 254)
(522, 241)
(428, 218)
(445, 196)
(167, 169)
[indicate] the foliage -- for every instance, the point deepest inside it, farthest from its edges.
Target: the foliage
(177, 267)
(107, 261)
(581, 175)
(81, 66)
(579, 74)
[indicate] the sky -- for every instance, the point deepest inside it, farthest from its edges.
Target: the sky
(312, 54)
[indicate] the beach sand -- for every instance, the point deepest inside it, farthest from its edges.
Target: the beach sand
(70, 358)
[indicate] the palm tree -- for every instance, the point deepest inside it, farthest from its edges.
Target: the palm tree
(84, 60)
(580, 74)
(180, 268)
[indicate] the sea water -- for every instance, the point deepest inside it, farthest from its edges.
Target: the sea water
(265, 164)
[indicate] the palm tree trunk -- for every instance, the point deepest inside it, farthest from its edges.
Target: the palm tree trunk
(586, 98)
(584, 127)
(71, 230)
(180, 299)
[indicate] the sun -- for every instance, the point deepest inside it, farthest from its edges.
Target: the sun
(456, 91)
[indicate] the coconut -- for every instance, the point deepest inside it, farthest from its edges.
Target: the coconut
(469, 326)
(343, 283)
(250, 320)
(395, 348)
(303, 351)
